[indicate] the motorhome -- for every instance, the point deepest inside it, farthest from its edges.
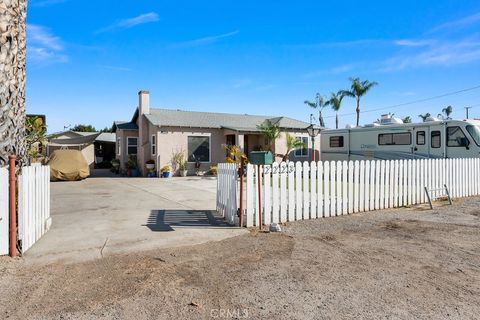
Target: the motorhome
(389, 138)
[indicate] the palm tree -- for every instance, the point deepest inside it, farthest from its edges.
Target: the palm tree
(12, 76)
(357, 90)
(336, 102)
(447, 111)
(292, 143)
(318, 104)
(424, 116)
(271, 132)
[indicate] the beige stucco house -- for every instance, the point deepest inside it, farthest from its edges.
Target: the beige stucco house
(156, 134)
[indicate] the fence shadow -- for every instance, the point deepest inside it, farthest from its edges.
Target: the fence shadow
(167, 220)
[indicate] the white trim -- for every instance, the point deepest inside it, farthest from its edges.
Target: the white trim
(209, 147)
(153, 144)
(128, 145)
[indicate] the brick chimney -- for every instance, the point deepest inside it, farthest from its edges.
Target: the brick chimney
(143, 102)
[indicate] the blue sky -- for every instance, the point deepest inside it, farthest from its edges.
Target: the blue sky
(86, 60)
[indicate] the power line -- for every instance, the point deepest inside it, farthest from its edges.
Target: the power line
(412, 102)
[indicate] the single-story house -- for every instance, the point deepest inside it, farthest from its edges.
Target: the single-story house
(98, 148)
(156, 134)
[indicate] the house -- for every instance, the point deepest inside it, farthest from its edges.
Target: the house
(156, 134)
(98, 148)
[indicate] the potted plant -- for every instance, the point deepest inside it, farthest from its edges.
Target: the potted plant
(182, 167)
(132, 168)
(198, 164)
(115, 165)
(165, 171)
(150, 165)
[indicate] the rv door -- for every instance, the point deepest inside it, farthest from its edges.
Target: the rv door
(421, 143)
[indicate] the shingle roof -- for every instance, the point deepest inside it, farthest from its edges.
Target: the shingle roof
(240, 122)
(124, 125)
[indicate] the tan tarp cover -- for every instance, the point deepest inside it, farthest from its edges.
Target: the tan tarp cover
(68, 165)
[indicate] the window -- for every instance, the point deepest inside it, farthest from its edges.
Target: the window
(404, 138)
(303, 151)
(132, 145)
(336, 142)
(475, 133)
(456, 137)
(119, 146)
(154, 144)
(436, 140)
(198, 149)
(421, 138)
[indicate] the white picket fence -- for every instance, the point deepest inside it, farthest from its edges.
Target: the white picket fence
(33, 204)
(4, 206)
(296, 191)
(227, 191)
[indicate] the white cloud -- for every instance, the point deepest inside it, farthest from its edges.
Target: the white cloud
(131, 22)
(413, 43)
(457, 24)
(43, 46)
(442, 53)
(205, 40)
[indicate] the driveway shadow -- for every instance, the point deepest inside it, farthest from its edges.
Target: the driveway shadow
(166, 220)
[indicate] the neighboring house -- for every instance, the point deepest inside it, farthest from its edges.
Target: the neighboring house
(156, 134)
(98, 148)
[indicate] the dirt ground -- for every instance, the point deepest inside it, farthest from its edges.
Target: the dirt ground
(396, 264)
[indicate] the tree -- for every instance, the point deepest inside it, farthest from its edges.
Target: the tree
(357, 90)
(35, 130)
(106, 129)
(407, 119)
(292, 143)
(447, 111)
(271, 132)
(336, 102)
(318, 104)
(84, 128)
(425, 116)
(12, 79)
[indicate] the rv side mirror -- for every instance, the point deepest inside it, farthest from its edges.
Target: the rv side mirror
(464, 142)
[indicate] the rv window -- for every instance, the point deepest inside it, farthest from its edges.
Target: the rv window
(420, 137)
(436, 141)
(404, 138)
(456, 137)
(475, 133)
(336, 142)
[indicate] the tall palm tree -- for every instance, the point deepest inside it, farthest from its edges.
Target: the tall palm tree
(318, 104)
(336, 102)
(292, 143)
(424, 116)
(271, 132)
(447, 111)
(12, 79)
(357, 90)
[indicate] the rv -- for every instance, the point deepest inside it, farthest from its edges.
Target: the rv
(390, 138)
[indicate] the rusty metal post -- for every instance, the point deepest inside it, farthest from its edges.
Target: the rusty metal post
(259, 181)
(242, 175)
(13, 207)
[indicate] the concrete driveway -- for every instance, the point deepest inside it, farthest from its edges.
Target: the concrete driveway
(100, 216)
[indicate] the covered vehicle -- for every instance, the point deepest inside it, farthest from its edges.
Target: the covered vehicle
(68, 165)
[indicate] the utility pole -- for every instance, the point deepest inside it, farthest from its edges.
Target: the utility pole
(466, 109)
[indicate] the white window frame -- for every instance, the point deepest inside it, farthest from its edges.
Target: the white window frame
(209, 147)
(119, 146)
(153, 145)
(131, 145)
(301, 149)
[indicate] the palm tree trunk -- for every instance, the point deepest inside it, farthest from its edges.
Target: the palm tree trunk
(337, 120)
(12, 78)
(320, 119)
(358, 111)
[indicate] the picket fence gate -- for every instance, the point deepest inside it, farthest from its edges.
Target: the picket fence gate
(299, 191)
(4, 206)
(227, 176)
(33, 204)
